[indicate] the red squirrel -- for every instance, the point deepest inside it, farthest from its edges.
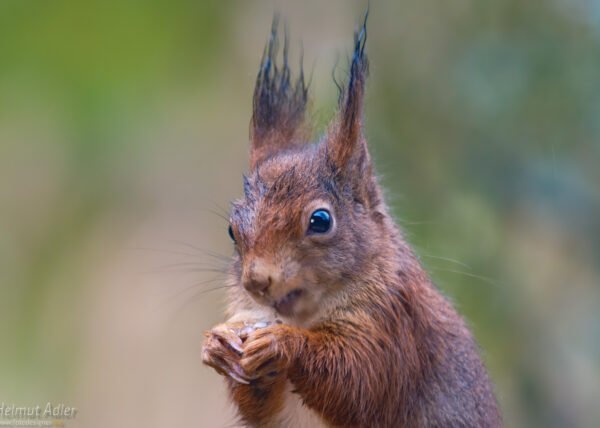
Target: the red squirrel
(332, 319)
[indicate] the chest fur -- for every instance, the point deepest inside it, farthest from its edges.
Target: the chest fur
(295, 414)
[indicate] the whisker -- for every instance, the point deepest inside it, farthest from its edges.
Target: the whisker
(446, 259)
(223, 210)
(220, 211)
(194, 297)
(184, 290)
(186, 267)
(486, 280)
(202, 250)
(193, 264)
(200, 293)
(183, 271)
(189, 270)
(226, 218)
(416, 223)
(161, 250)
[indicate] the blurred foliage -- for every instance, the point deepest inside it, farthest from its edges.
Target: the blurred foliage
(483, 116)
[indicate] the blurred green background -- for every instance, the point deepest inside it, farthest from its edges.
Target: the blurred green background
(123, 137)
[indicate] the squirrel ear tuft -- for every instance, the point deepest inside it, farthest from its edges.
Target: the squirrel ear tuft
(345, 140)
(279, 104)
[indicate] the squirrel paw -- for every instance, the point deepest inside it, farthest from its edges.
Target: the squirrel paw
(265, 355)
(223, 349)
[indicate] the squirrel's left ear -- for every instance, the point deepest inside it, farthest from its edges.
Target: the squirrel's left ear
(346, 145)
(279, 103)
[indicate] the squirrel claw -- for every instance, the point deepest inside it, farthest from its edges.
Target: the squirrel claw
(262, 356)
(237, 377)
(229, 336)
(222, 351)
(225, 368)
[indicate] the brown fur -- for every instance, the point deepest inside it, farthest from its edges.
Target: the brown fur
(370, 341)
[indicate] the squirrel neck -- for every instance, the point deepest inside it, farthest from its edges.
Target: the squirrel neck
(394, 287)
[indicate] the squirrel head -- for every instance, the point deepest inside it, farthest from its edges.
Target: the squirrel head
(312, 216)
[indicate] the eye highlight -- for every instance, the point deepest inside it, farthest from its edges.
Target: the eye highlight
(320, 222)
(230, 232)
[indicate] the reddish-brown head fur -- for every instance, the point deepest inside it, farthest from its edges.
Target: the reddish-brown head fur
(290, 178)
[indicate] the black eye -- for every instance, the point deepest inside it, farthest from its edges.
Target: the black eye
(230, 231)
(320, 222)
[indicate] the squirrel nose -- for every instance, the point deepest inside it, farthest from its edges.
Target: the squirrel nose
(258, 285)
(259, 276)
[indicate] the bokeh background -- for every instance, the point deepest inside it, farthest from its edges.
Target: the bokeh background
(123, 137)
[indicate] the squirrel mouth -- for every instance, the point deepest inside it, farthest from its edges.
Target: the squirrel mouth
(285, 305)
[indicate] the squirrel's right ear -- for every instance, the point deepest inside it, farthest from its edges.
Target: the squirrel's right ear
(346, 145)
(279, 104)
